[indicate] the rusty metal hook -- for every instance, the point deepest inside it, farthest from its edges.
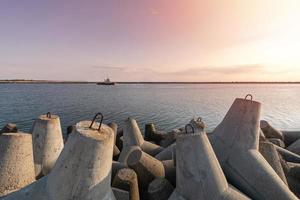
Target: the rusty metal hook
(96, 117)
(249, 95)
(189, 125)
(48, 114)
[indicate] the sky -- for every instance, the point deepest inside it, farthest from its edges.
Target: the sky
(150, 40)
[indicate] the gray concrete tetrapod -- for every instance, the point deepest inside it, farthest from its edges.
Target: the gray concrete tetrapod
(235, 141)
(116, 166)
(9, 128)
(269, 131)
(288, 155)
(170, 171)
(295, 147)
(126, 151)
(169, 138)
(269, 152)
(16, 162)
(277, 142)
(126, 179)
(293, 177)
(198, 172)
(47, 142)
(167, 153)
(151, 134)
(160, 189)
(120, 194)
(290, 136)
(147, 168)
(170, 152)
(82, 171)
(133, 137)
(116, 151)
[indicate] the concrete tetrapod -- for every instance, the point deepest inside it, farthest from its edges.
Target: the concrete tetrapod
(295, 147)
(169, 138)
(277, 142)
(293, 177)
(133, 137)
(120, 194)
(116, 166)
(160, 189)
(235, 142)
(9, 128)
(288, 155)
(167, 153)
(170, 171)
(151, 134)
(290, 136)
(47, 143)
(198, 172)
(269, 131)
(82, 170)
(116, 151)
(126, 179)
(269, 152)
(16, 162)
(146, 167)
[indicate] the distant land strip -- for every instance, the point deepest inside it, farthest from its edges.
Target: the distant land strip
(23, 81)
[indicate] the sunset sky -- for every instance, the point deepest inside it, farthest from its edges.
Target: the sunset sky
(150, 40)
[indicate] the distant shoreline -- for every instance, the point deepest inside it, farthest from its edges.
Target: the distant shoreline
(139, 82)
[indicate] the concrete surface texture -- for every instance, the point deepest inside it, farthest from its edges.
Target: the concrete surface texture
(116, 166)
(82, 172)
(198, 172)
(170, 171)
(126, 151)
(16, 162)
(277, 142)
(167, 153)
(160, 189)
(126, 179)
(295, 147)
(133, 137)
(290, 136)
(120, 194)
(235, 142)
(47, 143)
(269, 152)
(9, 128)
(169, 138)
(288, 155)
(293, 177)
(151, 134)
(147, 168)
(270, 131)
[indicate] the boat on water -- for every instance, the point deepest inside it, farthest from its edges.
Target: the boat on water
(106, 82)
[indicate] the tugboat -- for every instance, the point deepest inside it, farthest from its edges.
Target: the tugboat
(106, 82)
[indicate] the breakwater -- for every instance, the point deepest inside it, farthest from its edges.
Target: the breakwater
(244, 157)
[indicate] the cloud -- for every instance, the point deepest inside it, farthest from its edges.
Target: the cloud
(103, 67)
(225, 70)
(249, 72)
(153, 11)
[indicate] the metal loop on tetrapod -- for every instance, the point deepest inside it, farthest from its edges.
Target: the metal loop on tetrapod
(186, 127)
(249, 95)
(96, 117)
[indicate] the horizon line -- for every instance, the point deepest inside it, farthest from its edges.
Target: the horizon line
(28, 81)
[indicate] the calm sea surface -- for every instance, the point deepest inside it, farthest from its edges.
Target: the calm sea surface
(168, 106)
